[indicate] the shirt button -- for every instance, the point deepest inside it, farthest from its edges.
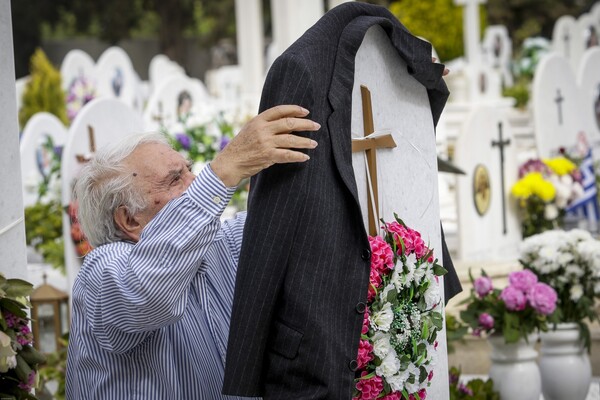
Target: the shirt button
(216, 199)
(353, 365)
(361, 308)
(366, 255)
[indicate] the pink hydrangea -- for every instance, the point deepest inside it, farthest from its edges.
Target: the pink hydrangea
(514, 298)
(411, 240)
(382, 256)
(365, 326)
(542, 298)
(369, 388)
(374, 283)
(365, 353)
(522, 280)
(483, 285)
(392, 396)
(486, 321)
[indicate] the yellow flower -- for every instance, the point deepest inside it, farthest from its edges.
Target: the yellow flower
(533, 184)
(560, 165)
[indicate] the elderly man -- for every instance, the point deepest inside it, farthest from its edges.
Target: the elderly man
(152, 302)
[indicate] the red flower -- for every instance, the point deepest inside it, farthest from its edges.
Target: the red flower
(369, 388)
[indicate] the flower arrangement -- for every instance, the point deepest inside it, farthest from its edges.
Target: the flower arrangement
(472, 390)
(19, 360)
(569, 261)
(397, 349)
(515, 312)
(545, 188)
(81, 91)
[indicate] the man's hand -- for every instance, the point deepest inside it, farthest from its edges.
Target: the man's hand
(265, 140)
(446, 70)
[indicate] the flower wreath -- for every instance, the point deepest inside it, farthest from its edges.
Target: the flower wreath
(398, 346)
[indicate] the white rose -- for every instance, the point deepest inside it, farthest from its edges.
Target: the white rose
(389, 365)
(381, 344)
(382, 319)
(576, 292)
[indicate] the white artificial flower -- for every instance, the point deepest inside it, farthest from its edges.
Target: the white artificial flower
(432, 353)
(397, 381)
(381, 344)
(551, 210)
(11, 362)
(382, 319)
(384, 293)
(389, 365)
(432, 296)
(576, 292)
(413, 370)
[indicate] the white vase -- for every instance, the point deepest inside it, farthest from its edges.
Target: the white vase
(514, 369)
(564, 364)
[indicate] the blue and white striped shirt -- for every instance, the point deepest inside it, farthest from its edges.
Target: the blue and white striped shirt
(151, 319)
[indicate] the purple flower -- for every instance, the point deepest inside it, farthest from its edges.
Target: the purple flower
(486, 321)
(464, 389)
(184, 140)
(542, 298)
(522, 280)
(224, 142)
(514, 298)
(483, 285)
(58, 151)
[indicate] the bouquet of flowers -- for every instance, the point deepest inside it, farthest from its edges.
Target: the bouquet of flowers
(515, 312)
(569, 261)
(544, 189)
(397, 349)
(19, 361)
(81, 91)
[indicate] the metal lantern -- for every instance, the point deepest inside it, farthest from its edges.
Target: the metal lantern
(50, 317)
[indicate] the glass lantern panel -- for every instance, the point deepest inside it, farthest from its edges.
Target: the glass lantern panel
(47, 330)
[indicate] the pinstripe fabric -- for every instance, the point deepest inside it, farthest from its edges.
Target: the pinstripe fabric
(150, 320)
(305, 258)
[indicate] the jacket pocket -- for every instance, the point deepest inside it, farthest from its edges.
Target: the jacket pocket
(285, 341)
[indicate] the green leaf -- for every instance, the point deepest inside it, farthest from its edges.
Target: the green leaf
(438, 270)
(18, 288)
(13, 306)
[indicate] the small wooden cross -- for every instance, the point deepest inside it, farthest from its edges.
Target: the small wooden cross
(370, 146)
(83, 158)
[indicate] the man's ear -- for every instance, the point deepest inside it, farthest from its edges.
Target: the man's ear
(127, 224)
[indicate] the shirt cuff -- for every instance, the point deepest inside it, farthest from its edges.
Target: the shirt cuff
(209, 192)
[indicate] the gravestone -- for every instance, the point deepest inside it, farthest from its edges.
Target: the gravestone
(12, 228)
(588, 79)
(174, 100)
(76, 64)
(20, 85)
(587, 36)
(556, 105)
(564, 37)
(110, 120)
(116, 78)
(407, 175)
(488, 225)
(595, 11)
(497, 52)
(225, 86)
(35, 157)
(162, 67)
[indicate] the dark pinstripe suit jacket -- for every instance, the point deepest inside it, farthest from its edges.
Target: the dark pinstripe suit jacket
(302, 280)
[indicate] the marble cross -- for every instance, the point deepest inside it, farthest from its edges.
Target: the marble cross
(370, 144)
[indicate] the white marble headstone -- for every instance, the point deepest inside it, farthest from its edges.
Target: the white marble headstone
(175, 97)
(586, 36)
(116, 78)
(76, 64)
(490, 232)
(407, 175)
(556, 105)
(162, 68)
(564, 37)
(111, 120)
(225, 85)
(588, 79)
(20, 85)
(35, 158)
(497, 51)
(595, 11)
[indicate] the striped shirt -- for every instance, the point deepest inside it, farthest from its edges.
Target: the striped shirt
(151, 319)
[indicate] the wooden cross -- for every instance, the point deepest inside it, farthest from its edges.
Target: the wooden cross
(370, 146)
(558, 100)
(500, 143)
(83, 158)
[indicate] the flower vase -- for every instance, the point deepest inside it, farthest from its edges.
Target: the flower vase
(564, 364)
(514, 369)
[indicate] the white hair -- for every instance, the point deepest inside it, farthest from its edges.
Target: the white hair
(103, 185)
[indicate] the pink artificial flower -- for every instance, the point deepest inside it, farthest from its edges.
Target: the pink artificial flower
(374, 283)
(542, 298)
(407, 239)
(486, 321)
(514, 298)
(365, 326)
(523, 280)
(365, 353)
(430, 376)
(392, 396)
(27, 386)
(483, 285)
(369, 388)
(382, 256)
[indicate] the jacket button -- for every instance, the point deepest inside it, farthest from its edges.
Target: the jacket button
(366, 255)
(353, 365)
(361, 308)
